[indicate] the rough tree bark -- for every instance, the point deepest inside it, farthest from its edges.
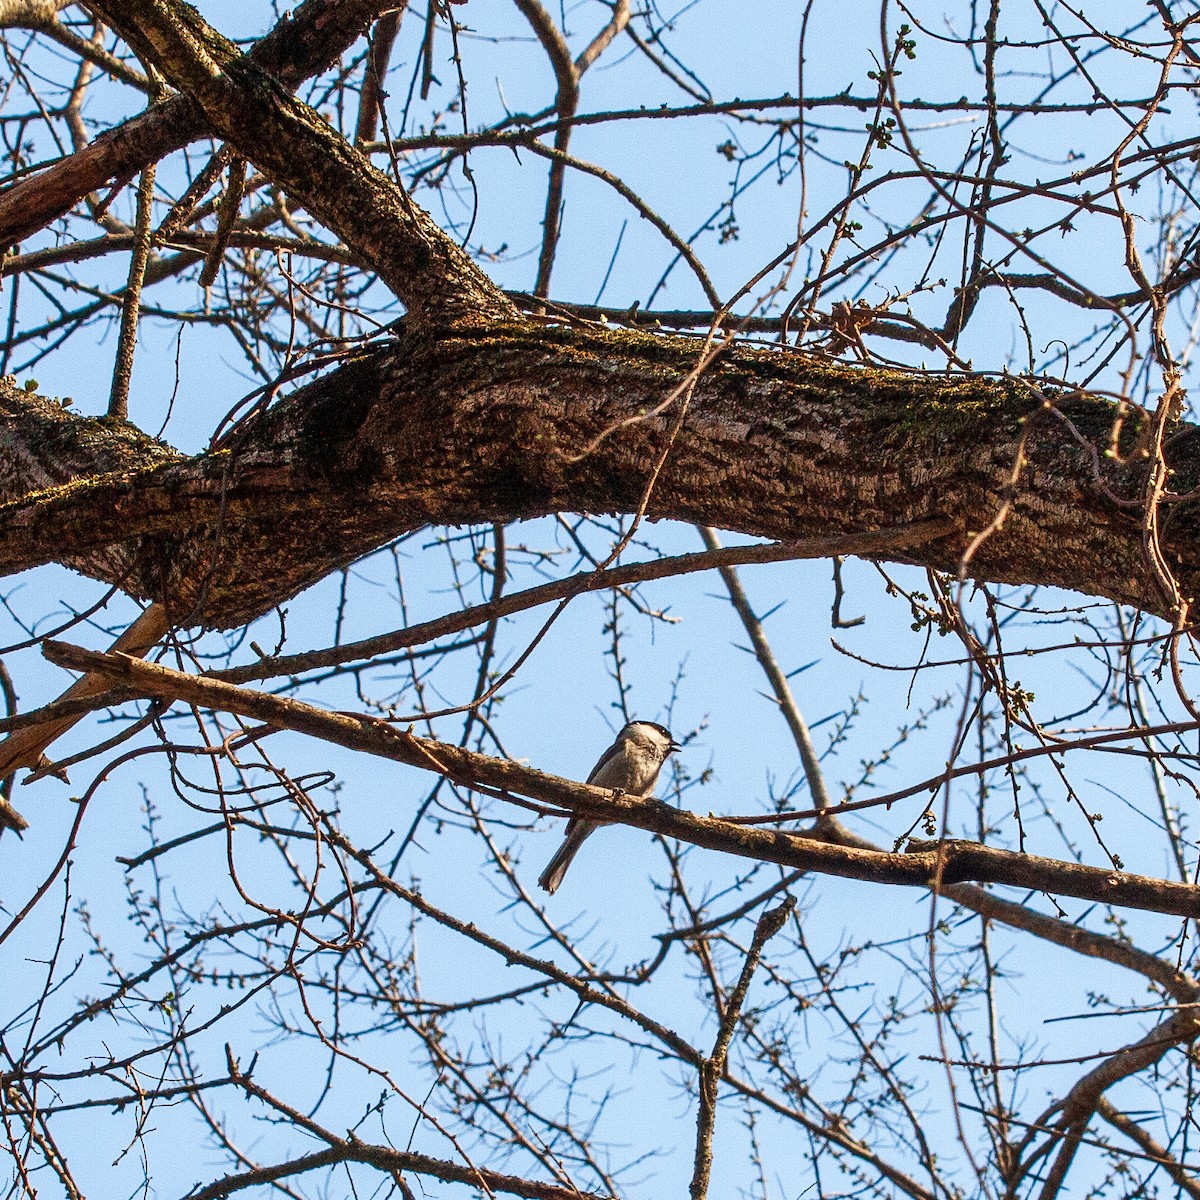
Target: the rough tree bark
(516, 421)
(472, 415)
(469, 412)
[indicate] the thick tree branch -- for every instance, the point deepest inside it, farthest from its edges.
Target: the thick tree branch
(29, 13)
(521, 421)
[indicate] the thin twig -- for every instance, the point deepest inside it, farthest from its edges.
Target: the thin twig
(118, 400)
(777, 679)
(713, 1067)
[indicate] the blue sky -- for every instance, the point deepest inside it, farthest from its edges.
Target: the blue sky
(688, 662)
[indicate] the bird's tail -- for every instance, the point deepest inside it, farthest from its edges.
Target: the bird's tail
(556, 868)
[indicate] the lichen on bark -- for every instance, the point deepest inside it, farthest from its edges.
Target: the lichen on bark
(517, 421)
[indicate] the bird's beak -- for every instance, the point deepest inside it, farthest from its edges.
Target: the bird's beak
(673, 747)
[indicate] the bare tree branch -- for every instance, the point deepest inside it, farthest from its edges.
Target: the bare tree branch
(953, 861)
(318, 168)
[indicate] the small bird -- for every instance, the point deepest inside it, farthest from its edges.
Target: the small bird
(631, 765)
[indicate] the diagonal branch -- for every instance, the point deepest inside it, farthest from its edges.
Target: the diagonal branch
(877, 542)
(311, 37)
(712, 1069)
(1186, 1181)
(292, 144)
(370, 103)
(1076, 1110)
(26, 746)
(391, 1161)
(567, 75)
(566, 101)
(790, 710)
(951, 861)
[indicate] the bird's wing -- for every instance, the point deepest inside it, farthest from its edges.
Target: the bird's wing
(580, 823)
(605, 758)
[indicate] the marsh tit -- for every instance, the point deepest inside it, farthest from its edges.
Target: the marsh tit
(631, 764)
